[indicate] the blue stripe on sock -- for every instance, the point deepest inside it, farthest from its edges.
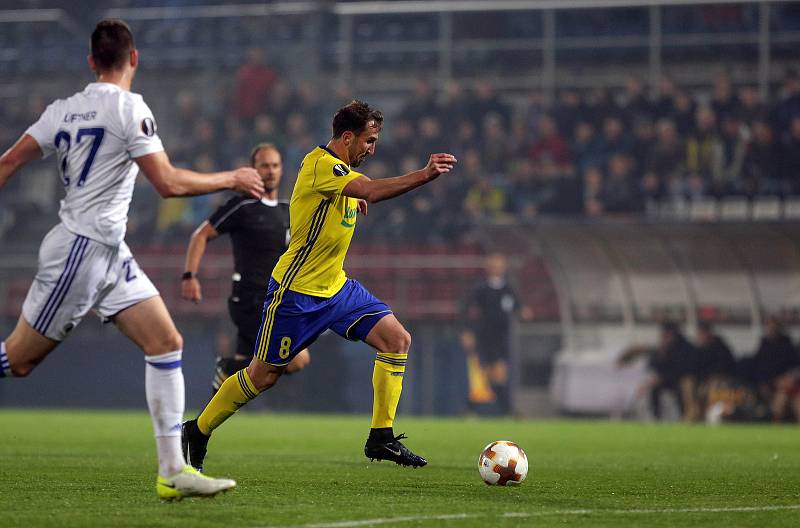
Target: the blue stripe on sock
(165, 366)
(61, 279)
(84, 243)
(4, 364)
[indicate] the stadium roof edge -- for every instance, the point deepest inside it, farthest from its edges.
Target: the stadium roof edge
(417, 6)
(213, 11)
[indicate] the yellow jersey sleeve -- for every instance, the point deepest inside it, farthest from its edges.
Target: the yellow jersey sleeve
(331, 176)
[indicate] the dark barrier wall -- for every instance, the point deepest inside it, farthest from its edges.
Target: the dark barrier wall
(99, 368)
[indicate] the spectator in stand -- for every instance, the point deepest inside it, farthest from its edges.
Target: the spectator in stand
(465, 138)
(615, 138)
(205, 140)
(775, 367)
(761, 163)
(751, 107)
(568, 112)
(644, 134)
(234, 137)
(599, 106)
(253, 83)
(456, 102)
(621, 191)
(735, 138)
(429, 133)
(587, 148)
(403, 141)
(298, 141)
(724, 101)
(307, 100)
(665, 169)
(683, 113)
(486, 101)
(665, 102)
(790, 158)
(635, 105)
(184, 125)
(549, 146)
(422, 102)
(788, 105)
(704, 152)
(593, 191)
(265, 130)
(484, 201)
(280, 102)
(497, 148)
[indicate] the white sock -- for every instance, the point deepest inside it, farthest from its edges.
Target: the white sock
(166, 400)
(5, 366)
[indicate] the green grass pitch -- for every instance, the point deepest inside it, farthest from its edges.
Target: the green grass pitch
(83, 469)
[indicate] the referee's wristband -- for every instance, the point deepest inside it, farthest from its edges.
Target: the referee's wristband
(188, 275)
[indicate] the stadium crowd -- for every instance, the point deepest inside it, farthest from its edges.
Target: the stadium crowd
(592, 153)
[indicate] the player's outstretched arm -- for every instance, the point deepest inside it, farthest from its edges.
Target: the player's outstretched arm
(377, 190)
(25, 150)
(190, 286)
(171, 181)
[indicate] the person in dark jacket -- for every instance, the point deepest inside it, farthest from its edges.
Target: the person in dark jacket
(776, 368)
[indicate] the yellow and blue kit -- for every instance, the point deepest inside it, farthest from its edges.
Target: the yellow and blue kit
(309, 291)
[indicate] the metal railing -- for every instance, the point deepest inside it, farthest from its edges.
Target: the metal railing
(543, 47)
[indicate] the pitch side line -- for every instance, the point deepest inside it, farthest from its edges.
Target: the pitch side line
(522, 515)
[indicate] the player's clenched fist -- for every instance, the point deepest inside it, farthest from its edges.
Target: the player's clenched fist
(247, 181)
(439, 164)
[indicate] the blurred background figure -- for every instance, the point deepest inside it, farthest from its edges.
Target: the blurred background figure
(714, 366)
(489, 311)
(671, 364)
(775, 370)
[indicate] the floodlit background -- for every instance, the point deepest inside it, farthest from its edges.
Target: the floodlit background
(633, 162)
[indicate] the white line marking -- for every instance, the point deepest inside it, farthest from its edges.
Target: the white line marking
(457, 516)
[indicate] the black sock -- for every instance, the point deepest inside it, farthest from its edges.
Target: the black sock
(381, 434)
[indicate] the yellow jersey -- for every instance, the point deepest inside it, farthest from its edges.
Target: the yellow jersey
(321, 224)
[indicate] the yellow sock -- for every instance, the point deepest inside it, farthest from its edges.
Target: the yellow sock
(235, 391)
(387, 384)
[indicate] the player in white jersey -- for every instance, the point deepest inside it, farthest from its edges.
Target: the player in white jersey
(102, 137)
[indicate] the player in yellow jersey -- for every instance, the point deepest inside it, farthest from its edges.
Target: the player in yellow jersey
(310, 293)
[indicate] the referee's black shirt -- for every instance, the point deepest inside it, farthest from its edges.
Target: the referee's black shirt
(259, 231)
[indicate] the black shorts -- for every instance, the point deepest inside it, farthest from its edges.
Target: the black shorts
(245, 305)
(493, 347)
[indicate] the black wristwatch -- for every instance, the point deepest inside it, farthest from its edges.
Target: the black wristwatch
(188, 275)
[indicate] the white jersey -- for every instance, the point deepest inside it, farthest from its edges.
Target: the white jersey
(96, 134)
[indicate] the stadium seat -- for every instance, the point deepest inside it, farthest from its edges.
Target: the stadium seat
(766, 208)
(734, 208)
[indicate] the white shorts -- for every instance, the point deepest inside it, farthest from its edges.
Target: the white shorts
(77, 274)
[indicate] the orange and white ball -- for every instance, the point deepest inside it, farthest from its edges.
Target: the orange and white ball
(503, 463)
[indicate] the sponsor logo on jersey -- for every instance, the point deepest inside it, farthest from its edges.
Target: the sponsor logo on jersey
(148, 127)
(340, 170)
(349, 218)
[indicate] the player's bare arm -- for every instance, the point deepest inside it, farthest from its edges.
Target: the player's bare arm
(190, 286)
(25, 150)
(374, 191)
(171, 181)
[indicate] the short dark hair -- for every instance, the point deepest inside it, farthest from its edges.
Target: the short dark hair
(354, 117)
(258, 148)
(112, 42)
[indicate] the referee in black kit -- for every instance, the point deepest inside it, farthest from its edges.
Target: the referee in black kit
(259, 231)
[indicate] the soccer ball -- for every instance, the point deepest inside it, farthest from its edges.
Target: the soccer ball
(503, 463)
